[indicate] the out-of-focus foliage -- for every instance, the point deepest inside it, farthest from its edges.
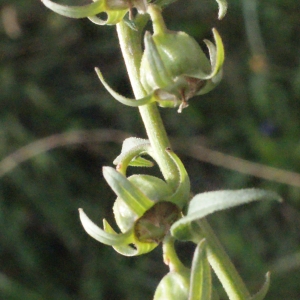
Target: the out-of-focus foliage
(48, 86)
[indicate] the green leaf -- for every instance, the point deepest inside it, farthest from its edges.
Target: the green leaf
(99, 234)
(76, 11)
(207, 203)
(200, 282)
(261, 294)
(128, 192)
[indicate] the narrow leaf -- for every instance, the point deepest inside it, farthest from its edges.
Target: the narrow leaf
(200, 282)
(207, 203)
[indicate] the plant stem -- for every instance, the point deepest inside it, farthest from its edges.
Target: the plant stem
(170, 256)
(130, 43)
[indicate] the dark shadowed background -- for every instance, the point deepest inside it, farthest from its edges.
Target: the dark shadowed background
(48, 87)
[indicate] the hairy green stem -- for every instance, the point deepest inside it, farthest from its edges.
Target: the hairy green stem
(170, 256)
(130, 43)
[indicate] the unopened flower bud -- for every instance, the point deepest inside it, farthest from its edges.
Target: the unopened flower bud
(173, 286)
(174, 62)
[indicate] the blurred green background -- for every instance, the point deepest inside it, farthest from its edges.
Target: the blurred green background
(48, 87)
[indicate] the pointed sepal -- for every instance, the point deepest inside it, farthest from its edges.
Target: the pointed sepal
(124, 100)
(182, 194)
(153, 72)
(201, 281)
(222, 8)
(112, 239)
(128, 192)
(216, 53)
(217, 56)
(261, 294)
(76, 11)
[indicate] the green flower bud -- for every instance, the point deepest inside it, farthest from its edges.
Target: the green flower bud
(173, 62)
(173, 286)
(183, 283)
(146, 206)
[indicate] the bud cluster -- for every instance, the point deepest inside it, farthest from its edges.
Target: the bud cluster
(146, 206)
